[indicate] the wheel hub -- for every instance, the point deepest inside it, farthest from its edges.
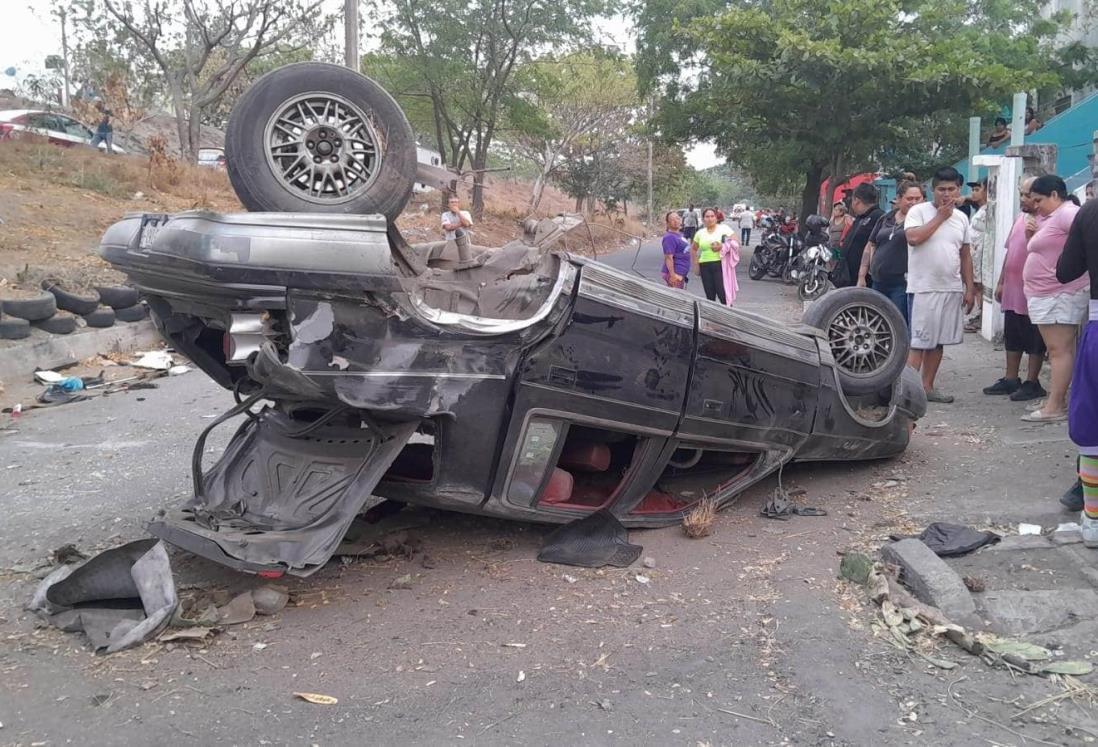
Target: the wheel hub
(861, 339)
(322, 148)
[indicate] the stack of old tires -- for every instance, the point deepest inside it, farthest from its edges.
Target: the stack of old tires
(18, 314)
(55, 310)
(99, 307)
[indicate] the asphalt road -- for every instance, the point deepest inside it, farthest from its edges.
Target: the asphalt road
(742, 638)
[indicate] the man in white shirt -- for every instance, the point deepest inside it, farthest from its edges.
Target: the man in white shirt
(939, 277)
(747, 222)
(455, 220)
(691, 219)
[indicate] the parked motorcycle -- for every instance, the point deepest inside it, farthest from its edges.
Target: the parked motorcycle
(776, 253)
(811, 268)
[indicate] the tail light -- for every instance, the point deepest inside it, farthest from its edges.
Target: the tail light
(6, 130)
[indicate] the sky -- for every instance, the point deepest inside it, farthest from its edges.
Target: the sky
(28, 34)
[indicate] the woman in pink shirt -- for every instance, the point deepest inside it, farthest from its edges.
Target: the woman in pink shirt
(1056, 308)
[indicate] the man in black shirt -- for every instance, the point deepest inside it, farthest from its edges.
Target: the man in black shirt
(863, 204)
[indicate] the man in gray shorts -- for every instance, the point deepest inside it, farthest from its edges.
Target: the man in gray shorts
(939, 277)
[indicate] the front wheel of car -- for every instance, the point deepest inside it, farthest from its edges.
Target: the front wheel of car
(314, 137)
(867, 336)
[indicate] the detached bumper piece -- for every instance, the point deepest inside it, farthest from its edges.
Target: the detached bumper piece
(281, 497)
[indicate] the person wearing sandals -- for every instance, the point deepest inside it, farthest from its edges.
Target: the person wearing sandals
(939, 277)
(1056, 308)
(1079, 261)
(1020, 336)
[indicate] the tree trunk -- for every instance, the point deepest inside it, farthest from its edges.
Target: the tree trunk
(579, 204)
(194, 135)
(810, 197)
(836, 178)
(539, 188)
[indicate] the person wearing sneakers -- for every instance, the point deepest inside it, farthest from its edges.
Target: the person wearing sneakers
(1020, 335)
(1056, 308)
(1080, 258)
(939, 277)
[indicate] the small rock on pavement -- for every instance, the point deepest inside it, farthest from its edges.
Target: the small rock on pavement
(649, 562)
(931, 580)
(269, 599)
(1066, 538)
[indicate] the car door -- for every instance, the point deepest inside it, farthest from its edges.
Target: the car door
(71, 131)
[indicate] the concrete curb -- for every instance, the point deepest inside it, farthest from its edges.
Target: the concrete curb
(931, 580)
(19, 359)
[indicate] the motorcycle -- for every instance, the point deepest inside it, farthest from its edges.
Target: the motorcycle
(776, 252)
(812, 266)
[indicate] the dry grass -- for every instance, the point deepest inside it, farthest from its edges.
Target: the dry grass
(59, 201)
(699, 522)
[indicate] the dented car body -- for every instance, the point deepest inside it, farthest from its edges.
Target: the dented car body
(526, 384)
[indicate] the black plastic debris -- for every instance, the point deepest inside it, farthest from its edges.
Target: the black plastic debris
(591, 542)
(119, 598)
(952, 540)
(781, 506)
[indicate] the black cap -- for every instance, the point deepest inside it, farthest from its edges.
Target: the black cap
(981, 183)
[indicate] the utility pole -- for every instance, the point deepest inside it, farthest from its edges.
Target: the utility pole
(350, 30)
(649, 222)
(64, 60)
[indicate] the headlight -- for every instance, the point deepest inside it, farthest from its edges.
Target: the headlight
(813, 252)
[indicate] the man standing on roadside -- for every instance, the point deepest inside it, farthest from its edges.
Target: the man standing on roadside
(747, 222)
(867, 212)
(1019, 334)
(690, 221)
(978, 222)
(939, 277)
(104, 131)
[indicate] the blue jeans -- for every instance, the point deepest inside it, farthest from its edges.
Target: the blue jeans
(896, 292)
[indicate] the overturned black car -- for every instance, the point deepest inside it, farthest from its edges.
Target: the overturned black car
(520, 382)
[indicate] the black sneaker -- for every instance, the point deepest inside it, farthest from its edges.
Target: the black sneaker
(1027, 391)
(1072, 499)
(1004, 386)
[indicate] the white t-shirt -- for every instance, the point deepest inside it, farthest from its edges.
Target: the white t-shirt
(448, 217)
(935, 265)
(747, 220)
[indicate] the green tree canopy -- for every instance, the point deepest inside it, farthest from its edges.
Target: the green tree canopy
(796, 90)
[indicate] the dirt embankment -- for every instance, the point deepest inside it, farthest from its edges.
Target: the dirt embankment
(57, 202)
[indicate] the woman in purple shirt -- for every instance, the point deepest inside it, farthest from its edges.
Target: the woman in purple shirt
(676, 252)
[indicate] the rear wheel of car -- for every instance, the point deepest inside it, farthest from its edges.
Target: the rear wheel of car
(75, 302)
(41, 306)
(313, 137)
(101, 317)
(867, 336)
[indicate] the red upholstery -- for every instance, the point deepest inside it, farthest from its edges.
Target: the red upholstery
(559, 487)
(585, 456)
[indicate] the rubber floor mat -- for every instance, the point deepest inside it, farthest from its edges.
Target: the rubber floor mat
(591, 542)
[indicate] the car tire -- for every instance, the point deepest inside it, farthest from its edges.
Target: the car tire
(117, 296)
(42, 306)
(756, 269)
(362, 112)
(14, 328)
(101, 318)
(74, 302)
(61, 323)
(867, 336)
(135, 313)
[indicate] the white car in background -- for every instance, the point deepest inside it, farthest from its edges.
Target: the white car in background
(213, 158)
(59, 129)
